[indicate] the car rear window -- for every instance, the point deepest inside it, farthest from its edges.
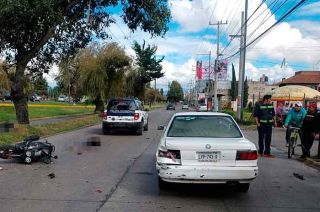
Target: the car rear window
(204, 126)
(121, 105)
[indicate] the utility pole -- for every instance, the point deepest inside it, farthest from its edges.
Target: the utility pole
(216, 64)
(242, 63)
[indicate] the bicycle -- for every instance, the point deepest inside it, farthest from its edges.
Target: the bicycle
(293, 140)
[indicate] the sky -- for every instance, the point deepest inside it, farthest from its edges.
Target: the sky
(295, 40)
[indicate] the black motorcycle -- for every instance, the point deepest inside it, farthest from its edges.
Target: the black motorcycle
(30, 150)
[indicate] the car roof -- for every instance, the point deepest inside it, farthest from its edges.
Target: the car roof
(201, 114)
(123, 99)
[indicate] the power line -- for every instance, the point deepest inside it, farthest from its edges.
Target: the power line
(277, 63)
(265, 20)
(262, 2)
(272, 26)
(271, 6)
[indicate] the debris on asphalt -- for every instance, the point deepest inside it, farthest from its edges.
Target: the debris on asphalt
(79, 153)
(1, 168)
(51, 175)
(299, 176)
(29, 150)
(99, 191)
(94, 141)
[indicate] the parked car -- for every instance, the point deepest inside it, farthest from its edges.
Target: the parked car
(62, 98)
(35, 98)
(125, 113)
(202, 107)
(171, 106)
(205, 147)
(185, 106)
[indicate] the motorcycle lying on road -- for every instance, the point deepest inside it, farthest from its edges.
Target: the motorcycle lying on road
(29, 150)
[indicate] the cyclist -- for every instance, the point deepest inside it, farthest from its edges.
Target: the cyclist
(309, 129)
(295, 119)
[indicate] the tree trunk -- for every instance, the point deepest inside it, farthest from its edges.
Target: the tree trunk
(99, 105)
(19, 98)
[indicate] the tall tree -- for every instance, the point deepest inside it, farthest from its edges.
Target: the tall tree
(40, 85)
(175, 92)
(161, 91)
(103, 71)
(150, 67)
(234, 85)
(245, 93)
(36, 33)
(115, 62)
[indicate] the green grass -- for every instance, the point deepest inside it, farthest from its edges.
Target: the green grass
(247, 117)
(8, 113)
(20, 132)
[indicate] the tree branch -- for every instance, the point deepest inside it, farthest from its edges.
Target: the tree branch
(50, 33)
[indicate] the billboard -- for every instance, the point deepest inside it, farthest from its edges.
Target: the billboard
(199, 70)
(222, 69)
(204, 73)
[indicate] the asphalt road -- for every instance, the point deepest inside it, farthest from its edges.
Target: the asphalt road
(120, 175)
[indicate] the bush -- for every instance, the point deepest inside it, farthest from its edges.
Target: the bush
(230, 112)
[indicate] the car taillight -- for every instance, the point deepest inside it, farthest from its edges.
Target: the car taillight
(247, 155)
(136, 116)
(105, 115)
(171, 154)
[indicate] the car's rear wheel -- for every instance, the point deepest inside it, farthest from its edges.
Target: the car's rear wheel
(146, 128)
(243, 187)
(163, 185)
(140, 130)
(106, 131)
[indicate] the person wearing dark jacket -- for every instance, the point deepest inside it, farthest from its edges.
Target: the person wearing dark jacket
(265, 116)
(309, 128)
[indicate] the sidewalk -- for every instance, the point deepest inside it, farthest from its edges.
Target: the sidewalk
(278, 142)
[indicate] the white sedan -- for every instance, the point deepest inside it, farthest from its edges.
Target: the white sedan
(205, 147)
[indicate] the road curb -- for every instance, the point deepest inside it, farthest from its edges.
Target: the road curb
(315, 163)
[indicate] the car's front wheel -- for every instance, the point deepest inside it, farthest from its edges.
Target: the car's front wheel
(243, 187)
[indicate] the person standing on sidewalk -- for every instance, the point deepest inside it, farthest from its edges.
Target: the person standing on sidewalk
(265, 116)
(309, 129)
(294, 119)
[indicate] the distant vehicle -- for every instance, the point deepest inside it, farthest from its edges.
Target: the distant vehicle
(84, 99)
(171, 106)
(185, 106)
(62, 98)
(35, 98)
(7, 97)
(205, 147)
(202, 107)
(125, 113)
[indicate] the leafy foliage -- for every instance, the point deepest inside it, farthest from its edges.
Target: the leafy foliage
(40, 85)
(175, 92)
(34, 34)
(245, 93)
(149, 67)
(45, 31)
(234, 85)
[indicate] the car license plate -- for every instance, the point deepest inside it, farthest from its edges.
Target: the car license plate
(208, 156)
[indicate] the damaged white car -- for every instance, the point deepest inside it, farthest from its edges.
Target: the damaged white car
(205, 148)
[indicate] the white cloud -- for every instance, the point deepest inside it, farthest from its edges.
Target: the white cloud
(183, 73)
(274, 73)
(53, 73)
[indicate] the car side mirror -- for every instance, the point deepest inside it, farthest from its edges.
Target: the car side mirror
(161, 127)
